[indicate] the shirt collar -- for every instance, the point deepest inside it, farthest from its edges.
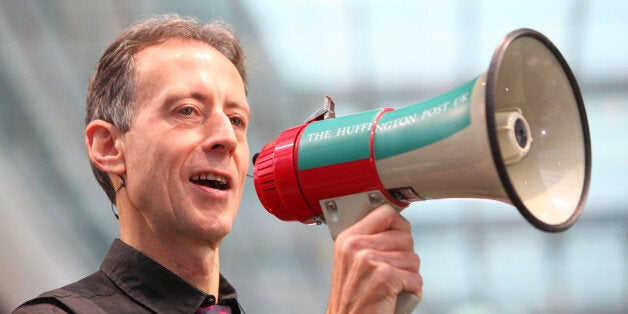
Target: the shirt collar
(155, 286)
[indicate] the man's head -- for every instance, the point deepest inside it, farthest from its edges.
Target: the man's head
(167, 117)
(111, 90)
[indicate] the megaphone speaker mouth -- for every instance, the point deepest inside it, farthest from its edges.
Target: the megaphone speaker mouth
(538, 130)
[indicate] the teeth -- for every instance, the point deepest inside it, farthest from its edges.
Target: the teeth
(209, 176)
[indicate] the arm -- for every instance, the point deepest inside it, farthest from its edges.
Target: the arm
(374, 261)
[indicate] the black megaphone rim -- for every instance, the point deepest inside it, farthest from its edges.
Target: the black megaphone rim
(492, 77)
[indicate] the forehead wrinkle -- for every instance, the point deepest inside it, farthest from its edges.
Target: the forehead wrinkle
(176, 59)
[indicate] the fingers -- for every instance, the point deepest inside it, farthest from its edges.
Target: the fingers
(391, 240)
(374, 281)
(383, 218)
(384, 229)
(386, 281)
(374, 260)
(366, 260)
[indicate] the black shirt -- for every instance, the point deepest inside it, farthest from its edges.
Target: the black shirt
(129, 282)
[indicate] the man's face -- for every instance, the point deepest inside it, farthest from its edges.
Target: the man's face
(186, 154)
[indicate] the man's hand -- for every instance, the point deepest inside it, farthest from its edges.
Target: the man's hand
(374, 261)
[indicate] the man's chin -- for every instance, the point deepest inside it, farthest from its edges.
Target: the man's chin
(213, 230)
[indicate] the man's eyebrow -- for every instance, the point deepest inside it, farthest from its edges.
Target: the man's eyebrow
(236, 105)
(177, 96)
(201, 97)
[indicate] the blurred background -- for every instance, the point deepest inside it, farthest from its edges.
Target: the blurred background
(477, 256)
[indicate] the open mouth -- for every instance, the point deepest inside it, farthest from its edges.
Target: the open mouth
(211, 180)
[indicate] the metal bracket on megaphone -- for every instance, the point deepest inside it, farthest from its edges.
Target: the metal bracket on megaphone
(342, 212)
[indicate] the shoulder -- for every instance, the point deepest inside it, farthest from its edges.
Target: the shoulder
(84, 296)
(41, 305)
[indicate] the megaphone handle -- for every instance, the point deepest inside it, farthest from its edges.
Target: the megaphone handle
(406, 303)
(342, 212)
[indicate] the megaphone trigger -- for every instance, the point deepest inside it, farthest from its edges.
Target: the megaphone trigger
(325, 112)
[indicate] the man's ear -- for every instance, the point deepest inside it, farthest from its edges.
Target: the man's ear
(104, 147)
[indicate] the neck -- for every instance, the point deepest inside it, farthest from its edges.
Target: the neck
(198, 266)
(195, 261)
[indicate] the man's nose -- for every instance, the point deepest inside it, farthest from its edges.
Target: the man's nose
(219, 134)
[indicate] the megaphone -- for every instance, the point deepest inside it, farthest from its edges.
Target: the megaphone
(517, 134)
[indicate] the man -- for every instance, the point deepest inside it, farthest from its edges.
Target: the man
(167, 117)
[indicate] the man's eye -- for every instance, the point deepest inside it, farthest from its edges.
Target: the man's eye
(237, 121)
(186, 111)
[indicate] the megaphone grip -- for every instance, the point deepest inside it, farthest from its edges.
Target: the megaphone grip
(349, 209)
